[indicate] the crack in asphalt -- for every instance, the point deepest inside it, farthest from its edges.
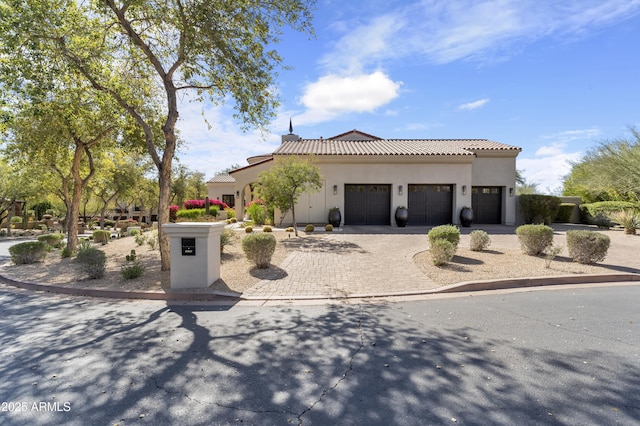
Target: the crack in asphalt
(342, 378)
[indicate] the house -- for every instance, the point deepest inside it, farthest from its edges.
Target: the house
(368, 177)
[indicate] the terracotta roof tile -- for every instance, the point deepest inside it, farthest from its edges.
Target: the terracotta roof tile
(222, 178)
(390, 147)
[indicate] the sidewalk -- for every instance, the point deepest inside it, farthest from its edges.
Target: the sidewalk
(376, 261)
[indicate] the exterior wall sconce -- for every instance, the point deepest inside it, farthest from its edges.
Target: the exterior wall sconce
(464, 189)
(510, 192)
(335, 189)
(237, 194)
(400, 189)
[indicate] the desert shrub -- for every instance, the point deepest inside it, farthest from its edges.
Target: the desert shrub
(259, 248)
(101, 236)
(84, 245)
(598, 213)
(442, 251)
(16, 219)
(140, 239)
(629, 219)
(134, 232)
(248, 229)
(66, 252)
(564, 213)
(93, 262)
(152, 240)
(233, 220)
(3, 233)
(267, 228)
(227, 238)
(191, 214)
(28, 252)
(328, 227)
(52, 239)
(534, 239)
(231, 213)
(587, 246)
(445, 232)
(538, 208)
(289, 229)
(479, 240)
(309, 228)
(258, 213)
(132, 269)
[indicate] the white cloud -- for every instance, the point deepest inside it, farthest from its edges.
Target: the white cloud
(332, 95)
(475, 104)
(446, 31)
(571, 135)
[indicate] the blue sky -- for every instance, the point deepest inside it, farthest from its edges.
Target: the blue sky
(552, 77)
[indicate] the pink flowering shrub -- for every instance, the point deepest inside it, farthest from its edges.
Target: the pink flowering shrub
(200, 204)
(173, 213)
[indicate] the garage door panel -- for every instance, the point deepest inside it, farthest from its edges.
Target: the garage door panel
(486, 202)
(430, 204)
(367, 204)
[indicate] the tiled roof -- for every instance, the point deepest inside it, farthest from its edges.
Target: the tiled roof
(391, 147)
(222, 178)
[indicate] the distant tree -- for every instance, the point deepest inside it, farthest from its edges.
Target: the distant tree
(145, 53)
(524, 187)
(281, 185)
(227, 170)
(196, 186)
(610, 171)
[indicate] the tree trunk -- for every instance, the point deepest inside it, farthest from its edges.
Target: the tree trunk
(76, 197)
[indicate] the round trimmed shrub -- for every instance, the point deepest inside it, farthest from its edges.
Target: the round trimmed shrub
(442, 251)
(534, 239)
(267, 228)
(479, 240)
(445, 232)
(587, 246)
(28, 252)
(328, 227)
(289, 229)
(93, 262)
(309, 228)
(259, 248)
(101, 236)
(248, 229)
(52, 239)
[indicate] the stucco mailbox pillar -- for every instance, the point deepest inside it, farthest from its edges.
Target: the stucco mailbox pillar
(195, 253)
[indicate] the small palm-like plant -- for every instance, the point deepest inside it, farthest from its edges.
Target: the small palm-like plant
(629, 219)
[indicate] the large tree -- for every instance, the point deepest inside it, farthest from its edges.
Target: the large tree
(610, 171)
(135, 50)
(281, 185)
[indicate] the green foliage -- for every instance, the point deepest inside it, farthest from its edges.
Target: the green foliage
(258, 213)
(587, 246)
(259, 248)
(140, 239)
(131, 257)
(309, 228)
(93, 262)
(227, 238)
(52, 239)
(41, 208)
(28, 252)
(629, 219)
(66, 253)
(442, 251)
(550, 253)
(132, 269)
(152, 240)
(281, 185)
(479, 240)
(564, 213)
(134, 232)
(191, 214)
(16, 219)
(608, 172)
(539, 208)
(101, 236)
(598, 213)
(231, 213)
(445, 232)
(534, 239)
(328, 227)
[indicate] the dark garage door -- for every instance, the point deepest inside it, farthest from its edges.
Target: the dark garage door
(367, 204)
(430, 204)
(486, 202)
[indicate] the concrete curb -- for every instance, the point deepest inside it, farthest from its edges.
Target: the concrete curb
(181, 295)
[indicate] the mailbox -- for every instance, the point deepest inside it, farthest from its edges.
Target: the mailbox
(188, 246)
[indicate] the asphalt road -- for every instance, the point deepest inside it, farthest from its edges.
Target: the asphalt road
(568, 357)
